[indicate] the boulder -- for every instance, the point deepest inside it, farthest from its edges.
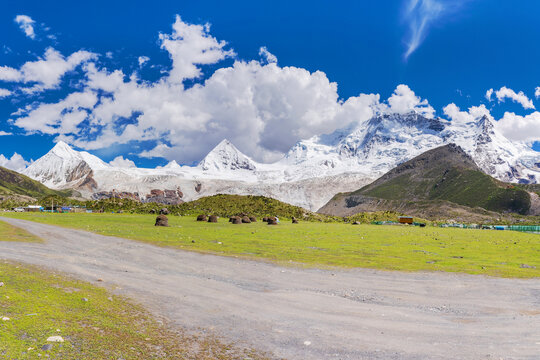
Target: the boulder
(164, 211)
(202, 217)
(152, 211)
(265, 219)
(245, 220)
(294, 221)
(162, 220)
(252, 219)
(212, 219)
(272, 221)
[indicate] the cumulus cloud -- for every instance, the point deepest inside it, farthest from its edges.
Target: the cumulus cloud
(4, 93)
(46, 72)
(259, 106)
(505, 92)
(404, 100)
(466, 117)
(16, 162)
(190, 45)
(537, 92)
(520, 128)
(120, 162)
(4, 133)
(26, 24)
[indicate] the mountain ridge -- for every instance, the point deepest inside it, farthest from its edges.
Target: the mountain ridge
(311, 172)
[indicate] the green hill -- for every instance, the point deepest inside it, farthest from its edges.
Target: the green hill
(444, 174)
(14, 184)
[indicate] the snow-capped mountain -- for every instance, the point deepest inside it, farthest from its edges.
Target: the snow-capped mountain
(310, 173)
(225, 156)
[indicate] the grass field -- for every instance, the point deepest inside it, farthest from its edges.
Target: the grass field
(35, 305)
(12, 233)
(404, 248)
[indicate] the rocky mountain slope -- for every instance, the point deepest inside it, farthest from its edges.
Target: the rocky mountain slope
(443, 175)
(310, 174)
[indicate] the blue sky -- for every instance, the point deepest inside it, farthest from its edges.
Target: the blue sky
(327, 53)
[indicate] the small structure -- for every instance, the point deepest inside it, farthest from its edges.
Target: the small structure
(405, 220)
(33, 208)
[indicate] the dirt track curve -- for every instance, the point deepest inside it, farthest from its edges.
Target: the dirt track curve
(304, 314)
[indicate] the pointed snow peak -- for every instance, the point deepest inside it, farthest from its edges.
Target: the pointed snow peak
(172, 165)
(225, 156)
(63, 150)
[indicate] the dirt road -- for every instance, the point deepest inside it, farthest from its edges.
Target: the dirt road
(305, 314)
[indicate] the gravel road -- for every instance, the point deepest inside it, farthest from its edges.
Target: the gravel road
(304, 314)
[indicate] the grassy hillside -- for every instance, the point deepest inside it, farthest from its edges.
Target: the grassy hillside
(13, 183)
(443, 174)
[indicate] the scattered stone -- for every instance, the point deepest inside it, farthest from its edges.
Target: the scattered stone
(356, 223)
(213, 219)
(220, 243)
(99, 280)
(307, 343)
(193, 241)
(164, 211)
(202, 217)
(152, 211)
(5, 318)
(1, 284)
(46, 347)
(85, 299)
(246, 220)
(162, 220)
(294, 221)
(55, 338)
(525, 266)
(272, 221)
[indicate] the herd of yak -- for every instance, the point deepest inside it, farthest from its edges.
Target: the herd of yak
(162, 219)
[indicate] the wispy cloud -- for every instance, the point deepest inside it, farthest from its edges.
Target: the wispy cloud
(421, 15)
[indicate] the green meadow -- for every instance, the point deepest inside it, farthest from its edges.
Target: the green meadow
(314, 244)
(36, 305)
(12, 233)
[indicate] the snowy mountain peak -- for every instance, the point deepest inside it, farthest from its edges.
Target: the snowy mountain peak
(172, 165)
(225, 156)
(63, 150)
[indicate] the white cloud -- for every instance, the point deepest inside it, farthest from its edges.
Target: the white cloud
(520, 128)
(26, 24)
(191, 45)
(142, 60)
(464, 117)
(267, 55)
(259, 106)
(505, 92)
(120, 162)
(404, 100)
(4, 93)
(489, 94)
(537, 92)
(420, 15)
(16, 162)
(3, 133)
(46, 72)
